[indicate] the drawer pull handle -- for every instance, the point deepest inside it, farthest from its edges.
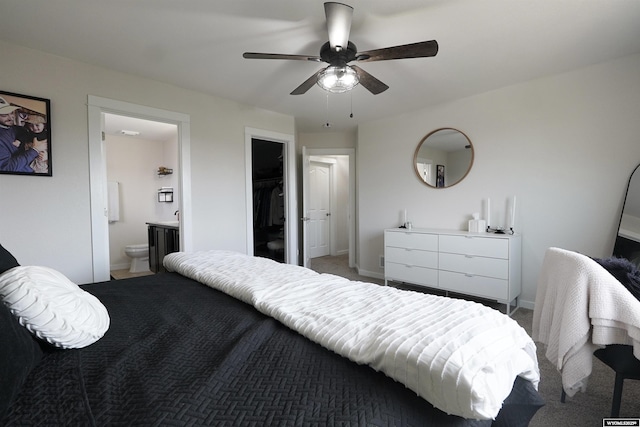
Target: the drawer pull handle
(468, 256)
(468, 275)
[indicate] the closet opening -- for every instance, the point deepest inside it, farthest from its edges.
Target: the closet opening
(269, 211)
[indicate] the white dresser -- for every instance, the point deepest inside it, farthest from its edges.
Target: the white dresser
(484, 265)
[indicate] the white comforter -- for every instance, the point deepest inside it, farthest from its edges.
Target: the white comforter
(460, 356)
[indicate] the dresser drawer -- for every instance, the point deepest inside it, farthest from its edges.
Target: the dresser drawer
(471, 245)
(485, 287)
(409, 240)
(414, 257)
(475, 265)
(411, 274)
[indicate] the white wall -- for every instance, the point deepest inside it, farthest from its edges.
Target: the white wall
(333, 139)
(46, 221)
(166, 211)
(564, 145)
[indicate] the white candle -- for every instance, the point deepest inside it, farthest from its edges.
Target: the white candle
(512, 224)
(488, 214)
(405, 217)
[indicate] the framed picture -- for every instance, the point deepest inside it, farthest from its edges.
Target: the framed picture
(25, 135)
(440, 176)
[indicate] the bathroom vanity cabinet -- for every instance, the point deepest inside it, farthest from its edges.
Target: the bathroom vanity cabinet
(484, 265)
(164, 238)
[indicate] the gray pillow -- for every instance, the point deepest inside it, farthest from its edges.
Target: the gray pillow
(623, 270)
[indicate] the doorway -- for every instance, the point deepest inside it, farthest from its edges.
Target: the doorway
(97, 107)
(340, 222)
(135, 150)
(282, 148)
(267, 169)
(321, 192)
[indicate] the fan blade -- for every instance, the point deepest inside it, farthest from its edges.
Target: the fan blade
(254, 55)
(338, 23)
(413, 50)
(369, 82)
(306, 85)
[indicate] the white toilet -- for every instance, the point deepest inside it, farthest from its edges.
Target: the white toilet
(139, 255)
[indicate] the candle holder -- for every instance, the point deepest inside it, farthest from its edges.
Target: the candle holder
(500, 230)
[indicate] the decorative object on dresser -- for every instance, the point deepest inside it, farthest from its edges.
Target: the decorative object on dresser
(478, 264)
(510, 217)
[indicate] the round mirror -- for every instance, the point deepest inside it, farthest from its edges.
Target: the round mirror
(443, 158)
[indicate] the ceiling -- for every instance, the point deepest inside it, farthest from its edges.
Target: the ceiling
(198, 45)
(148, 130)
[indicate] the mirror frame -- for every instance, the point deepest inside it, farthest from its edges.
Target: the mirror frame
(423, 140)
(626, 245)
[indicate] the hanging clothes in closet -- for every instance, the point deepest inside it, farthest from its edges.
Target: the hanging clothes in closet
(268, 203)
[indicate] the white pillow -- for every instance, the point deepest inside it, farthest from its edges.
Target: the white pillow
(52, 307)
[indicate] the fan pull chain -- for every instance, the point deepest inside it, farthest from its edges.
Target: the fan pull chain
(327, 124)
(351, 99)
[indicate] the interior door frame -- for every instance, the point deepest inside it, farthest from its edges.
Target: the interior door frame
(96, 108)
(307, 153)
(291, 251)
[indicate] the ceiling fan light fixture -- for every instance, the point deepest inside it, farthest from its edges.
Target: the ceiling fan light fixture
(336, 79)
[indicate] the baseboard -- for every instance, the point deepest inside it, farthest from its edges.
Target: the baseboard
(342, 252)
(120, 266)
(371, 274)
(529, 305)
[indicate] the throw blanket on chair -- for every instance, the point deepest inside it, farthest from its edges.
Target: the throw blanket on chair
(460, 356)
(580, 307)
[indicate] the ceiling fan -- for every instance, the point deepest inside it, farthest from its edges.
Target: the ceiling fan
(338, 52)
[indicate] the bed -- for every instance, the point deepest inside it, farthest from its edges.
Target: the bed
(195, 346)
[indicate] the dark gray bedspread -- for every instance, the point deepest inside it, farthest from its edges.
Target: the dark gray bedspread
(179, 353)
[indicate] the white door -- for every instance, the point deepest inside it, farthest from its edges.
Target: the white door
(319, 210)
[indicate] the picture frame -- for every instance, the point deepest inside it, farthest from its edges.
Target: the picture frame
(439, 176)
(25, 135)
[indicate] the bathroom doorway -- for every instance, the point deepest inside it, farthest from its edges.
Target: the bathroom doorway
(97, 107)
(141, 158)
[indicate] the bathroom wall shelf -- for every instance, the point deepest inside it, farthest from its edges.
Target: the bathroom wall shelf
(165, 195)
